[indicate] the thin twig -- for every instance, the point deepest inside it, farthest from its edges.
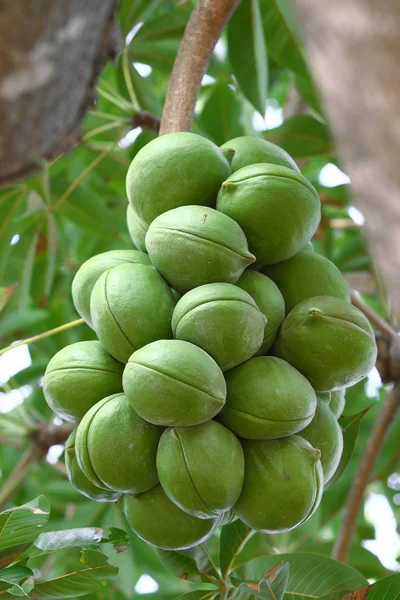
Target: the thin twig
(212, 563)
(372, 449)
(372, 316)
(18, 475)
(201, 34)
(43, 335)
(145, 119)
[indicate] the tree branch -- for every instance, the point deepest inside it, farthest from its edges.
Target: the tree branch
(373, 317)
(203, 30)
(373, 447)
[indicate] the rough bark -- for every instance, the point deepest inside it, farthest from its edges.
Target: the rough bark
(354, 51)
(51, 52)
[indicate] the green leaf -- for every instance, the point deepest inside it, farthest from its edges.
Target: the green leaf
(118, 538)
(386, 589)
(132, 12)
(86, 575)
(197, 595)
(302, 136)
(27, 272)
(157, 41)
(281, 31)
(19, 528)
(307, 90)
(51, 257)
(233, 538)
(180, 565)
(21, 320)
(350, 428)
(248, 53)
(68, 538)
(5, 295)
(221, 115)
(271, 587)
(311, 575)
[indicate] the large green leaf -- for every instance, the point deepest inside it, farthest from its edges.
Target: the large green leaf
(248, 53)
(131, 12)
(12, 580)
(88, 573)
(221, 115)
(311, 575)
(233, 539)
(181, 566)
(307, 90)
(272, 586)
(386, 589)
(19, 528)
(302, 136)
(350, 426)
(68, 538)
(281, 30)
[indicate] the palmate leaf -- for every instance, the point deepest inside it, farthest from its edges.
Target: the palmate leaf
(248, 53)
(311, 576)
(19, 528)
(89, 572)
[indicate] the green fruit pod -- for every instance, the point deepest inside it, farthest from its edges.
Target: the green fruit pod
(171, 382)
(79, 376)
(80, 481)
(324, 433)
(90, 271)
(267, 399)
(201, 468)
(137, 229)
(116, 449)
(335, 400)
(283, 484)
(159, 522)
(174, 170)
(306, 275)
(195, 245)
(249, 150)
(131, 306)
(329, 341)
(223, 320)
(277, 208)
(269, 300)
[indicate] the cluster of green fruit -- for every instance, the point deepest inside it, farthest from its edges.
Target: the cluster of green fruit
(214, 390)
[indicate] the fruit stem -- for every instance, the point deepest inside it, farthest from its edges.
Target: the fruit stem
(383, 326)
(43, 335)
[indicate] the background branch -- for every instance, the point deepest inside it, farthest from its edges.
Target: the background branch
(356, 497)
(203, 30)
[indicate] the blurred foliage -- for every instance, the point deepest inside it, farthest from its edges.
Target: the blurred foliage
(75, 206)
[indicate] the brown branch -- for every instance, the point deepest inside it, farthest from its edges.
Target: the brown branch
(205, 25)
(18, 475)
(383, 326)
(355, 499)
(146, 119)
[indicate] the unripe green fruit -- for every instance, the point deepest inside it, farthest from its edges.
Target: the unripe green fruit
(171, 382)
(228, 517)
(328, 340)
(158, 521)
(250, 150)
(195, 245)
(283, 484)
(269, 300)
(307, 275)
(277, 208)
(201, 468)
(324, 433)
(131, 306)
(137, 229)
(175, 170)
(267, 398)
(79, 376)
(223, 320)
(335, 400)
(79, 480)
(90, 271)
(116, 448)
